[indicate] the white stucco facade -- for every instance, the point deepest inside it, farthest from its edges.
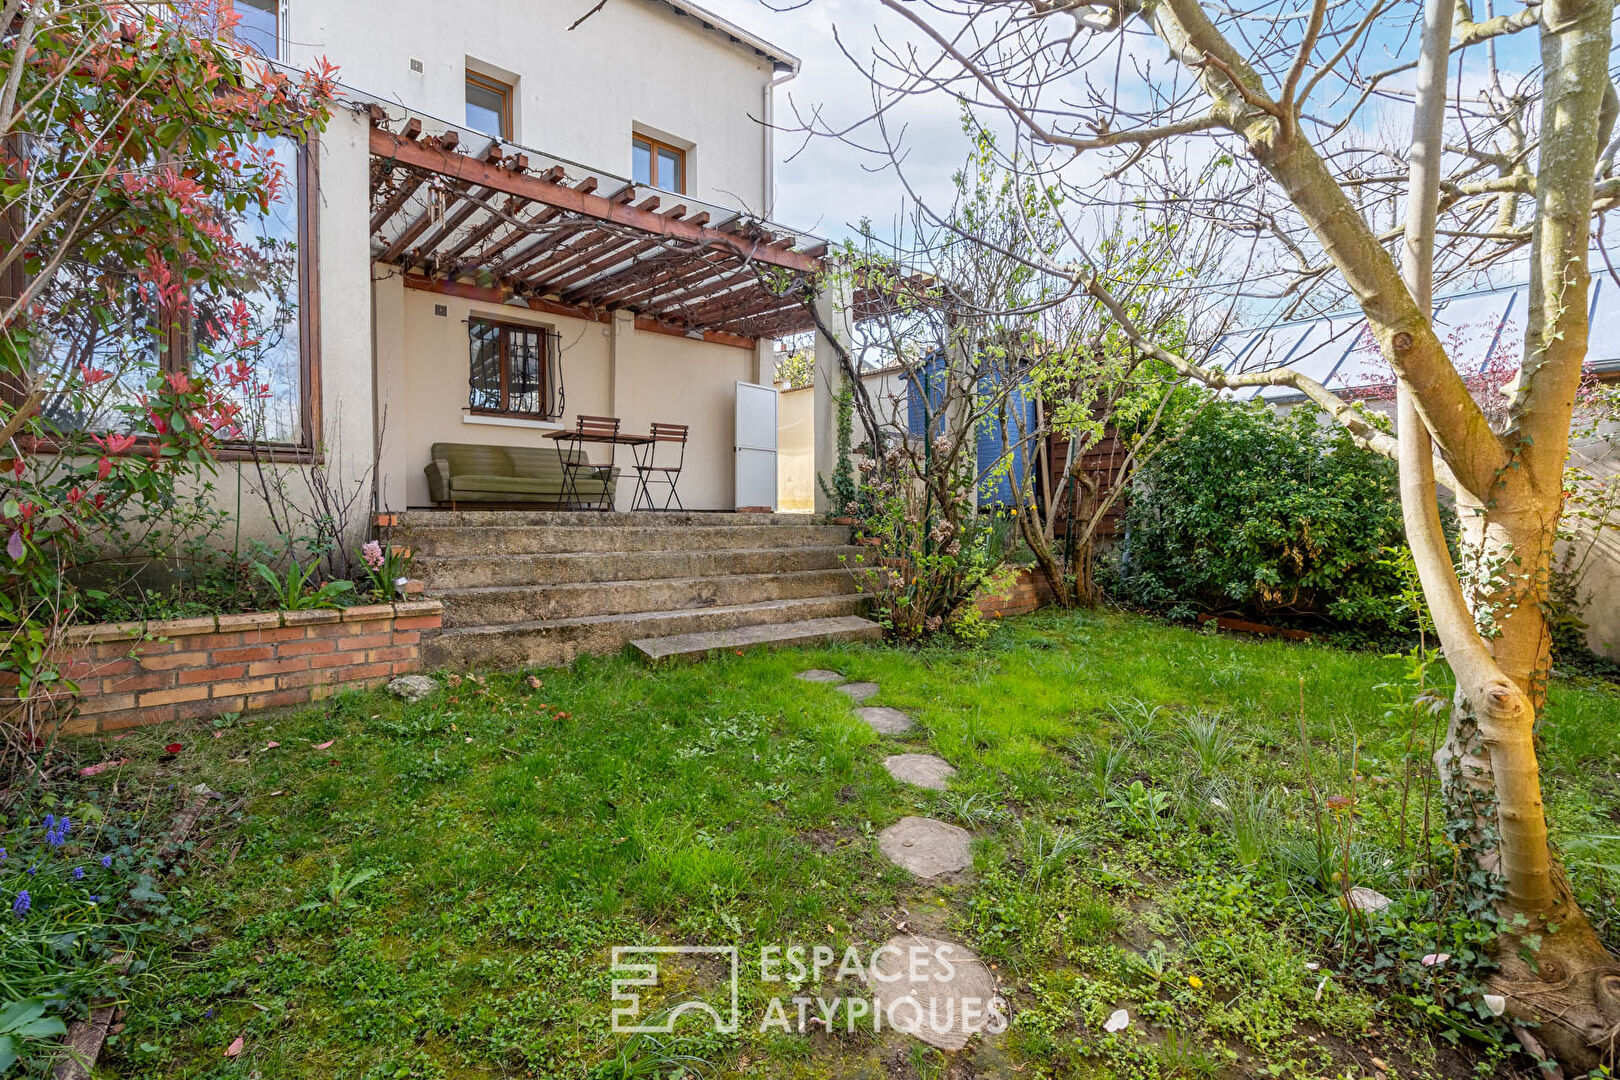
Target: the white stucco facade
(392, 360)
(634, 66)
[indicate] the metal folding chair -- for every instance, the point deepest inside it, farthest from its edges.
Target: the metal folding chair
(576, 460)
(651, 469)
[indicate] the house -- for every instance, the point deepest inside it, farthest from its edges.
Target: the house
(493, 239)
(513, 221)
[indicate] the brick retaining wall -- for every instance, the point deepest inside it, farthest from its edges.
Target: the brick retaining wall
(1028, 592)
(130, 674)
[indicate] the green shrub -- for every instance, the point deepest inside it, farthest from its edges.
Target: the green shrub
(1275, 516)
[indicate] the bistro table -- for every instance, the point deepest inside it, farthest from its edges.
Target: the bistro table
(574, 439)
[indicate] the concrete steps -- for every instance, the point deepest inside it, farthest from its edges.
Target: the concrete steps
(554, 642)
(697, 645)
(451, 572)
(504, 604)
(549, 539)
(539, 588)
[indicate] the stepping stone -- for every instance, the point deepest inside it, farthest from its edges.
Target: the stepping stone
(938, 991)
(884, 719)
(923, 770)
(926, 847)
(859, 691)
(819, 675)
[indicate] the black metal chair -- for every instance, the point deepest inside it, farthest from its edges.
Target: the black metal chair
(576, 462)
(651, 468)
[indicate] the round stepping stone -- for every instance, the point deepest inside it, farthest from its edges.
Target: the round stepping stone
(819, 675)
(938, 991)
(926, 847)
(923, 770)
(859, 691)
(884, 719)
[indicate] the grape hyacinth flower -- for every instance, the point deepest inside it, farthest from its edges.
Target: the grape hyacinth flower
(78, 873)
(106, 862)
(57, 829)
(20, 906)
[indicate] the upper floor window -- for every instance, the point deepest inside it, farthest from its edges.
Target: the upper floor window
(258, 26)
(489, 105)
(657, 164)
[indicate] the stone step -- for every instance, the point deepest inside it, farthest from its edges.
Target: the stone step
(553, 642)
(695, 646)
(506, 604)
(462, 518)
(574, 567)
(442, 540)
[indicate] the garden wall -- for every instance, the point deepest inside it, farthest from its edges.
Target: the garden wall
(1028, 591)
(130, 674)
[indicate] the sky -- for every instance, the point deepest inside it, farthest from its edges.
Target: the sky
(826, 187)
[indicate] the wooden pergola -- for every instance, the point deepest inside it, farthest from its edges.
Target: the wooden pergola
(490, 225)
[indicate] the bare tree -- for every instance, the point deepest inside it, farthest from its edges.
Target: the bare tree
(1369, 151)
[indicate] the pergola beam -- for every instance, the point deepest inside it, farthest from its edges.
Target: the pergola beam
(390, 147)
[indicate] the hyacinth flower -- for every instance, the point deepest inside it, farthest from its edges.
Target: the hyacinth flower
(20, 906)
(57, 829)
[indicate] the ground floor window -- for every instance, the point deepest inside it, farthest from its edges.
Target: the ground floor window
(514, 370)
(265, 319)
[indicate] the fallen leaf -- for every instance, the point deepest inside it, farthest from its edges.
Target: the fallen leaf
(271, 745)
(1119, 1021)
(235, 1048)
(173, 748)
(92, 770)
(325, 744)
(219, 734)
(534, 682)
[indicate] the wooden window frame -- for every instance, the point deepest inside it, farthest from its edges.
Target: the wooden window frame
(494, 86)
(275, 11)
(653, 146)
(176, 339)
(548, 336)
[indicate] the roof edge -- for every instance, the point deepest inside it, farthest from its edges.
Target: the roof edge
(780, 58)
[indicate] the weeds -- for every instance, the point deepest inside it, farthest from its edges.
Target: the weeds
(1210, 741)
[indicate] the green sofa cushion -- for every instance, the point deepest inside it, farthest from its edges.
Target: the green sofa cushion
(523, 485)
(520, 473)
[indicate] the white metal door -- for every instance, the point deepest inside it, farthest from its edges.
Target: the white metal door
(756, 447)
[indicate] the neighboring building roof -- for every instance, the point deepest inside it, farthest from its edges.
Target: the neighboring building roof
(781, 59)
(1477, 328)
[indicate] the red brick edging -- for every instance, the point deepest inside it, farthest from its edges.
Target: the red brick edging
(131, 674)
(1028, 591)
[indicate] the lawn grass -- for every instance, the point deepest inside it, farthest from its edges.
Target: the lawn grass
(437, 892)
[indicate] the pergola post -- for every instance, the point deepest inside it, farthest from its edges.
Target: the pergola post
(834, 308)
(622, 343)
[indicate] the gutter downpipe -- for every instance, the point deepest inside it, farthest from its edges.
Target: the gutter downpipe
(770, 138)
